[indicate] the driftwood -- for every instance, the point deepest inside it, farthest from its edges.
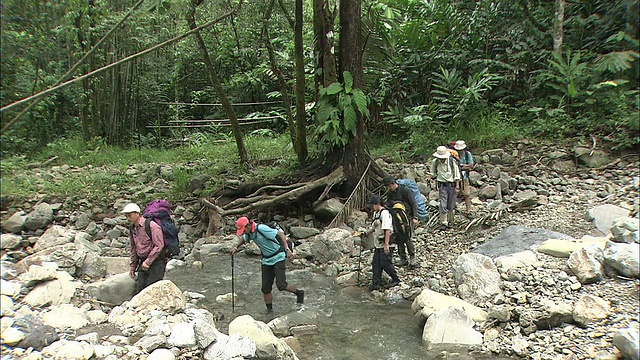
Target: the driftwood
(256, 201)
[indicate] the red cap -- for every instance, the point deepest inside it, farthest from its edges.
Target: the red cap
(240, 224)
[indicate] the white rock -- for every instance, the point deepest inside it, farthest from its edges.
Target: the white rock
(161, 354)
(182, 335)
(71, 350)
(450, 326)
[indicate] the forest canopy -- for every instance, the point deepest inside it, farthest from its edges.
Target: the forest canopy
(431, 71)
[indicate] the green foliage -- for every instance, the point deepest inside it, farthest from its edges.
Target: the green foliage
(337, 109)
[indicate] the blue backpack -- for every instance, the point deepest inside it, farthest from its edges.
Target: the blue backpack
(422, 208)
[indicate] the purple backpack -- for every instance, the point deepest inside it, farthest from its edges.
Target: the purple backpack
(160, 212)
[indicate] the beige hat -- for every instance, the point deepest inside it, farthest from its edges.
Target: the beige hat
(460, 145)
(442, 152)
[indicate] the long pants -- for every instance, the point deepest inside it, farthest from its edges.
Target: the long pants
(447, 194)
(382, 261)
(155, 273)
(404, 246)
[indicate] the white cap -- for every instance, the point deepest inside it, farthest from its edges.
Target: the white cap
(131, 207)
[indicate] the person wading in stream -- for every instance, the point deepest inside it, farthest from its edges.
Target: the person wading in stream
(382, 233)
(274, 252)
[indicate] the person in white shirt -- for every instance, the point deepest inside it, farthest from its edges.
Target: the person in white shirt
(382, 234)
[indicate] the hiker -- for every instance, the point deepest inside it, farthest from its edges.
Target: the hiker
(382, 233)
(274, 253)
(398, 193)
(467, 163)
(147, 257)
(447, 175)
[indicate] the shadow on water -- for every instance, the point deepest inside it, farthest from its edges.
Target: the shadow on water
(351, 323)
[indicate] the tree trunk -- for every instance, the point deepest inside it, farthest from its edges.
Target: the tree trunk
(323, 19)
(558, 26)
(282, 84)
(353, 156)
(301, 116)
(213, 74)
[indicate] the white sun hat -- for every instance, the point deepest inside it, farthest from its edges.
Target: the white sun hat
(460, 145)
(442, 152)
(131, 207)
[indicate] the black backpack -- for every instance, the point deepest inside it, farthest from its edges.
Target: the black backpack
(274, 225)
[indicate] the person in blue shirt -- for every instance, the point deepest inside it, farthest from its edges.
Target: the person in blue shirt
(274, 248)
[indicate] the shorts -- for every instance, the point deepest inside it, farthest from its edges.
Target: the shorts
(271, 272)
(465, 188)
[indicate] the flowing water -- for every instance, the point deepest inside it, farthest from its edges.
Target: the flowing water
(351, 323)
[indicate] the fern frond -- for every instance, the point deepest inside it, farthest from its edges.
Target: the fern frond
(616, 61)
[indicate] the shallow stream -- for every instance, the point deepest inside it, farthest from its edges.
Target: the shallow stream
(351, 323)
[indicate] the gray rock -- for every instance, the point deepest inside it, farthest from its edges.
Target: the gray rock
(54, 236)
(586, 264)
(301, 232)
(627, 341)
(591, 158)
(93, 266)
(328, 209)
(488, 192)
(82, 221)
(150, 343)
(113, 290)
(544, 316)
(231, 347)
(9, 241)
(53, 292)
(476, 278)
(604, 215)
(39, 217)
(625, 230)
(450, 326)
(623, 258)
(15, 224)
(515, 239)
(37, 334)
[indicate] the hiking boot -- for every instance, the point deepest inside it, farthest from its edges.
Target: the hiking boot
(413, 261)
(443, 227)
(300, 296)
(402, 262)
(268, 310)
(394, 283)
(373, 287)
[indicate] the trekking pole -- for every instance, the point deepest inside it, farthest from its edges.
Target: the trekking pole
(233, 290)
(359, 261)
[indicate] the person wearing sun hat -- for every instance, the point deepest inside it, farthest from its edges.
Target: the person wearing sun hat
(146, 257)
(274, 252)
(447, 176)
(467, 163)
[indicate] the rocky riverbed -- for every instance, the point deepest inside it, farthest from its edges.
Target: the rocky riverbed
(545, 267)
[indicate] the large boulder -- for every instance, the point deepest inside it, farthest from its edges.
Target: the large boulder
(53, 292)
(624, 259)
(604, 215)
(564, 247)
(476, 278)
(591, 158)
(69, 350)
(590, 309)
(15, 224)
(429, 302)
(544, 315)
(450, 326)
(268, 346)
(586, 264)
(625, 230)
(162, 295)
(113, 290)
(515, 239)
(231, 347)
(517, 260)
(54, 236)
(39, 217)
(66, 316)
(328, 209)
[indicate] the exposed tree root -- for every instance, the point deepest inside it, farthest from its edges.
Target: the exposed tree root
(256, 201)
